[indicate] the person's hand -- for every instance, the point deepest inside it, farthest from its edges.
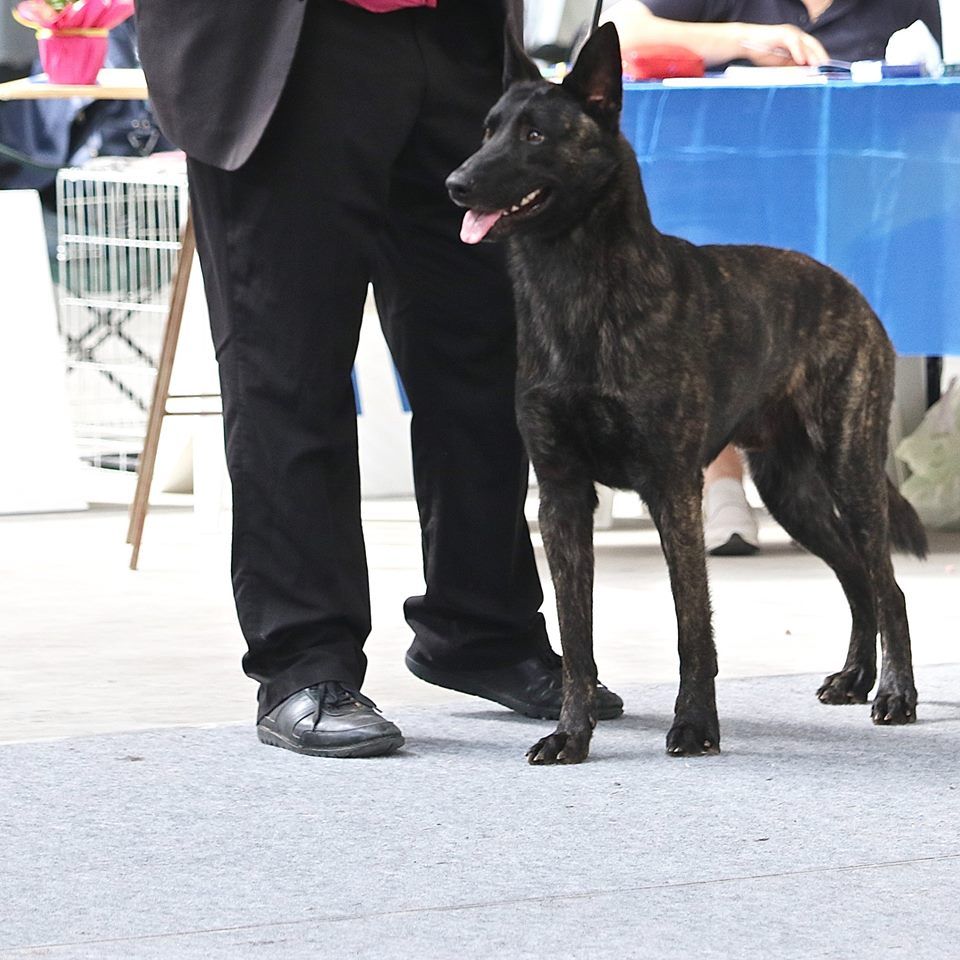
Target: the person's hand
(780, 45)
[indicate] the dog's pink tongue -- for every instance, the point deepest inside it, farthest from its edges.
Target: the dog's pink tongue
(477, 225)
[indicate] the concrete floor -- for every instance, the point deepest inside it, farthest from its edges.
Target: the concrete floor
(813, 835)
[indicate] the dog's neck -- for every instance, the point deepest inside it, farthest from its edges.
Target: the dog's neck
(587, 267)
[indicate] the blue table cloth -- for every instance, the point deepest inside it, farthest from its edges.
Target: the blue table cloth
(864, 177)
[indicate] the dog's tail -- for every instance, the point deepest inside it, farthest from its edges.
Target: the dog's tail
(906, 530)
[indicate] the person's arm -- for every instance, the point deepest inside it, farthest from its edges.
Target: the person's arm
(762, 44)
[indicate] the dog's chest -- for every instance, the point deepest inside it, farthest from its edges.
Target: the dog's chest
(575, 426)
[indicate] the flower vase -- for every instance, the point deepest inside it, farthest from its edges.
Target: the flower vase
(72, 56)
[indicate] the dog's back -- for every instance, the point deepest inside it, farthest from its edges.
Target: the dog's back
(776, 326)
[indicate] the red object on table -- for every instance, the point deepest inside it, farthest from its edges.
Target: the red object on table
(656, 61)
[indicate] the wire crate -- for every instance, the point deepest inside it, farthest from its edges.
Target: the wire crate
(119, 223)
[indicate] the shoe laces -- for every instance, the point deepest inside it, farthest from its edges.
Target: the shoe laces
(335, 694)
(552, 680)
(554, 677)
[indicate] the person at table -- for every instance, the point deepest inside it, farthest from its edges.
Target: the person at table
(764, 33)
(773, 32)
(318, 138)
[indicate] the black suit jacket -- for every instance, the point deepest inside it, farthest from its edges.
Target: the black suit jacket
(215, 71)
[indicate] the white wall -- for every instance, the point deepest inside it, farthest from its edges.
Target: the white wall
(39, 466)
(556, 21)
(950, 14)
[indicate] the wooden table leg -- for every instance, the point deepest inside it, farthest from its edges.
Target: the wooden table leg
(161, 390)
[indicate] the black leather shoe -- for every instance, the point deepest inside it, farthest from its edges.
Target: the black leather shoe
(329, 720)
(533, 687)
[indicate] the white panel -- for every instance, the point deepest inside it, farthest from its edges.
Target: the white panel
(950, 15)
(39, 467)
(383, 426)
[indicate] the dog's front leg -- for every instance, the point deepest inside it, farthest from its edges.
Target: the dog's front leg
(566, 524)
(696, 729)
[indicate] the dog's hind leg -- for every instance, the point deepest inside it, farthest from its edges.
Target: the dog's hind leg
(853, 455)
(786, 477)
(566, 524)
(677, 514)
(865, 511)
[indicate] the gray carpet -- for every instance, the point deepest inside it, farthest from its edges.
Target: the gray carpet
(814, 835)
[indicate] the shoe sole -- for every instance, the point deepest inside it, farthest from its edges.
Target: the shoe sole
(378, 747)
(451, 681)
(736, 546)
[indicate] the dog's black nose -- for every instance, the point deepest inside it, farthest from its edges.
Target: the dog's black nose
(459, 186)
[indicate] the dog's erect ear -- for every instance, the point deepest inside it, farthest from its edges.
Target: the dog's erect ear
(517, 65)
(596, 78)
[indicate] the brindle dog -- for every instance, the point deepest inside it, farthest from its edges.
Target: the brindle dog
(641, 356)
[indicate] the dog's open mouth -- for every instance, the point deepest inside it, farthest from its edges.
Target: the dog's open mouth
(478, 223)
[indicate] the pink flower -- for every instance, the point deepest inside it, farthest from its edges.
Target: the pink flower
(79, 15)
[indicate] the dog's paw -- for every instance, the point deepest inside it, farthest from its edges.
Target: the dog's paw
(693, 739)
(560, 747)
(894, 708)
(848, 686)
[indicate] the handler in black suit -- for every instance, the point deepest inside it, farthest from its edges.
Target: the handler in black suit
(319, 135)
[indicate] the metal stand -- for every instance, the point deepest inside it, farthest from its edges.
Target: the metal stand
(597, 11)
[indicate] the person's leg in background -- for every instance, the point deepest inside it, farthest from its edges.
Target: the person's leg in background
(447, 312)
(729, 526)
(286, 244)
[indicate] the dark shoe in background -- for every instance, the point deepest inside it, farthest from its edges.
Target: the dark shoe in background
(329, 720)
(533, 687)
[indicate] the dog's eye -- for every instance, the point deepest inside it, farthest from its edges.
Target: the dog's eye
(534, 136)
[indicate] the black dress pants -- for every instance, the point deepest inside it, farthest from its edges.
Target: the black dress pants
(346, 188)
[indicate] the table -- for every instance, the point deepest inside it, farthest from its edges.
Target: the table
(112, 84)
(864, 177)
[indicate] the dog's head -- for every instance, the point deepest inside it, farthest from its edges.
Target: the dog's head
(547, 148)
